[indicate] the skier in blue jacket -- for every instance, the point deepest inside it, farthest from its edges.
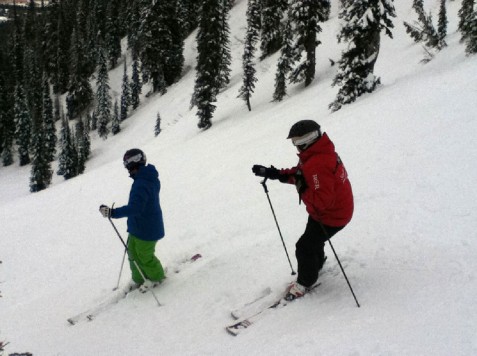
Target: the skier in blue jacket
(145, 222)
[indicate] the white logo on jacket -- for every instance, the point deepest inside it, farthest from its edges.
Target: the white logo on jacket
(316, 181)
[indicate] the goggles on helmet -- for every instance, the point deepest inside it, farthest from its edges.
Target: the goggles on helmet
(129, 162)
(306, 140)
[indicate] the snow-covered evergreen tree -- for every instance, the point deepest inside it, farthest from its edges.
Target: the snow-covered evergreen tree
(116, 121)
(224, 44)
(251, 39)
(23, 126)
(442, 24)
(83, 144)
(161, 43)
(306, 16)
(113, 33)
(125, 94)
(363, 22)
(471, 39)
(7, 122)
(103, 97)
(157, 127)
(80, 93)
(68, 157)
(466, 15)
(284, 66)
(272, 13)
(41, 172)
(423, 29)
(209, 61)
(48, 121)
(136, 84)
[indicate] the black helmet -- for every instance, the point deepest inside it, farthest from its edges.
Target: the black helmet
(134, 158)
(304, 133)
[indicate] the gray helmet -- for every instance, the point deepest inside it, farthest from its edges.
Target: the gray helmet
(304, 127)
(134, 158)
(304, 133)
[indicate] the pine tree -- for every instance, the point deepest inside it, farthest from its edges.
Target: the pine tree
(284, 64)
(442, 24)
(7, 123)
(224, 44)
(157, 128)
(103, 97)
(125, 94)
(364, 22)
(136, 84)
(48, 128)
(466, 15)
(471, 40)
(251, 39)
(209, 59)
(113, 33)
(23, 125)
(41, 172)
(423, 29)
(68, 158)
(161, 44)
(306, 16)
(93, 121)
(52, 37)
(80, 144)
(61, 78)
(271, 26)
(80, 93)
(116, 121)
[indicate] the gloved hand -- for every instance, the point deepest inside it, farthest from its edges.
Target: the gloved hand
(106, 211)
(262, 171)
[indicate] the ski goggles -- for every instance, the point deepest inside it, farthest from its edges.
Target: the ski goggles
(306, 140)
(128, 162)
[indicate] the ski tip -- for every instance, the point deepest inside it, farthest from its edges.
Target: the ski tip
(196, 257)
(71, 321)
(231, 331)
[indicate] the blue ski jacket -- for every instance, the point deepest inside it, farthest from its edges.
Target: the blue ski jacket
(143, 210)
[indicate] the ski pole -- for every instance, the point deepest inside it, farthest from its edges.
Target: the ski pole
(121, 270)
(339, 263)
(264, 184)
(134, 261)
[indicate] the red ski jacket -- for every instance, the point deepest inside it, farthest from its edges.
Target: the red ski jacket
(327, 193)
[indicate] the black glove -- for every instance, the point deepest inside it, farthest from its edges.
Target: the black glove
(106, 211)
(261, 171)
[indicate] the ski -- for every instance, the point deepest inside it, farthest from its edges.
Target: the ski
(91, 313)
(118, 295)
(244, 323)
(248, 308)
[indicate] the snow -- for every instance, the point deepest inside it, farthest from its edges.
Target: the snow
(409, 251)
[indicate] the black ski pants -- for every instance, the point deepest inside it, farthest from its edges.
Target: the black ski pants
(310, 250)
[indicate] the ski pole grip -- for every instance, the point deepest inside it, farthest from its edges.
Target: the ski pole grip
(264, 184)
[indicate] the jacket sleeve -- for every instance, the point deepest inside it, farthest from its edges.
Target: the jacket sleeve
(136, 204)
(288, 175)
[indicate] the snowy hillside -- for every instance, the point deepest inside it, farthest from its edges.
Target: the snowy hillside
(409, 252)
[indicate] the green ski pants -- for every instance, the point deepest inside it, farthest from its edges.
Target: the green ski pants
(143, 253)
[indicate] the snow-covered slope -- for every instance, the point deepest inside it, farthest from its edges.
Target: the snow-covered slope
(409, 251)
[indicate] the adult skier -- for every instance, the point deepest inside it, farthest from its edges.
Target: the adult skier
(144, 220)
(323, 185)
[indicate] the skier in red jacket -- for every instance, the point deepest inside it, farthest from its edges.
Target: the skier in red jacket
(323, 185)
